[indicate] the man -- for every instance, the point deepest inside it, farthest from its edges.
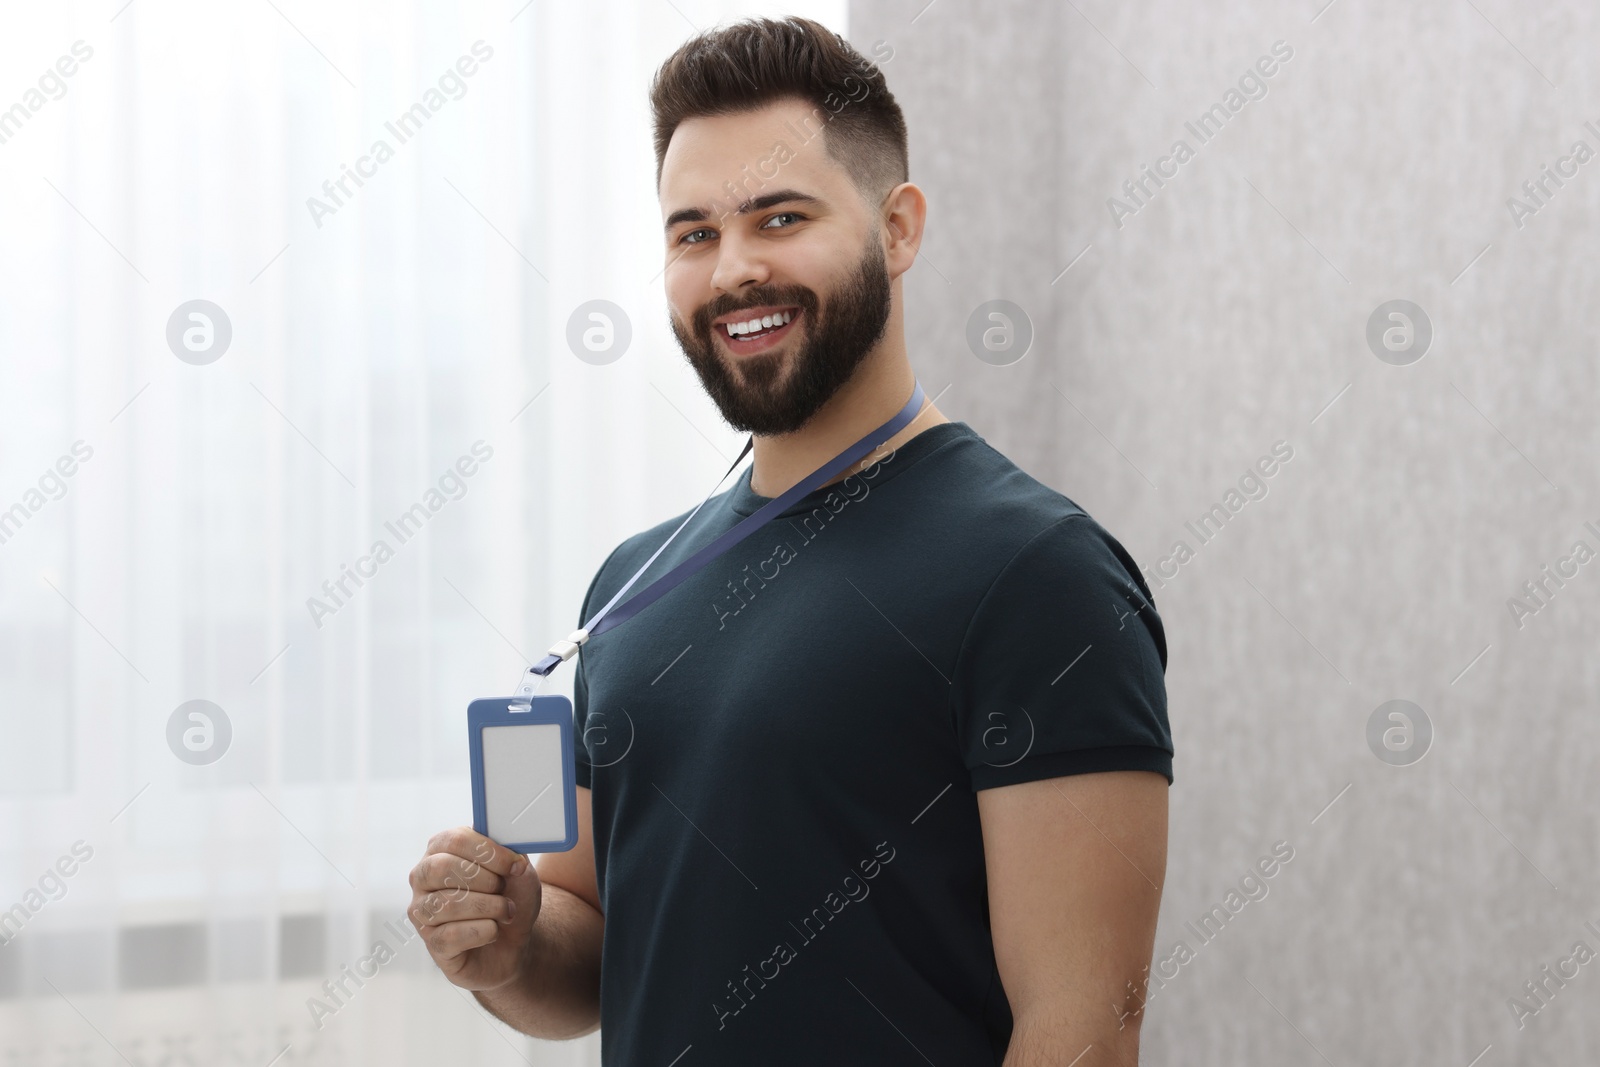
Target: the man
(887, 782)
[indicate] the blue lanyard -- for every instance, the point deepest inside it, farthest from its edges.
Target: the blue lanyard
(606, 618)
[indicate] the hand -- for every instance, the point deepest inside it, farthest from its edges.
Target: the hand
(474, 902)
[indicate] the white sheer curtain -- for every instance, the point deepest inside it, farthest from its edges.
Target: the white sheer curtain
(178, 525)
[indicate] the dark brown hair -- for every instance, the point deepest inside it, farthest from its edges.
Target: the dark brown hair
(750, 64)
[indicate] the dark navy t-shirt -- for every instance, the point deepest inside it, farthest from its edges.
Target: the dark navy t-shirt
(785, 750)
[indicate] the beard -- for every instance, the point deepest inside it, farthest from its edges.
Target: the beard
(752, 392)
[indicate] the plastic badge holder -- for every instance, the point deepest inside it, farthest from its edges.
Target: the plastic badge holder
(524, 788)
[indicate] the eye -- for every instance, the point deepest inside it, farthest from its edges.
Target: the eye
(780, 215)
(685, 238)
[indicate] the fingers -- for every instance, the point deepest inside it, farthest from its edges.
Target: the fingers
(467, 843)
(465, 891)
(436, 909)
(464, 860)
(442, 872)
(452, 939)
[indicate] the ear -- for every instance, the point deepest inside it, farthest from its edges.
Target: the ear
(904, 214)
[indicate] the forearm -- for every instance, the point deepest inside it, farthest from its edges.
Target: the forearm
(1041, 1042)
(556, 994)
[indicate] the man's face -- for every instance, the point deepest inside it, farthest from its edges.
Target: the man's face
(814, 257)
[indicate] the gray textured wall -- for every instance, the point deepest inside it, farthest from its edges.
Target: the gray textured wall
(1230, 312)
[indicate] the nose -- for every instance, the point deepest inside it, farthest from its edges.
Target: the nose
(739, 266)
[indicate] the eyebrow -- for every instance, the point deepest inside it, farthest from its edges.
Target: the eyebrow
(760, 203)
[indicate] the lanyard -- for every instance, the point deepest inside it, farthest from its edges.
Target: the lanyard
(606, 618)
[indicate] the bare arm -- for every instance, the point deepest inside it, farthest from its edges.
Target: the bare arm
(1075, 867)
(525, 941)
(555, 993)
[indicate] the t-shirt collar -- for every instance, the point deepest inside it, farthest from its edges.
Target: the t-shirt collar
(745, 501)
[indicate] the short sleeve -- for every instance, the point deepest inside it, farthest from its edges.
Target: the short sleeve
(580, 688)
(1062, 670)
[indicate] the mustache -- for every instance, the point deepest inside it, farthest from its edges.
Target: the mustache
(804, 299)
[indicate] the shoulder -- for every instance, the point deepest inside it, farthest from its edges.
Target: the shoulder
(1026, 523)
(1075, 567)
(1064, 643)
(1042, 551)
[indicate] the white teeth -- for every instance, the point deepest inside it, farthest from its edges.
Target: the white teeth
(738, 329)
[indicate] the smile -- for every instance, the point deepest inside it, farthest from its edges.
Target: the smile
(757, 334)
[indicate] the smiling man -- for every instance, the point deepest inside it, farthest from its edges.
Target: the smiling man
(885, 783)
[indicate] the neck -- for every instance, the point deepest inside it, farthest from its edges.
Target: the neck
(878, 390)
